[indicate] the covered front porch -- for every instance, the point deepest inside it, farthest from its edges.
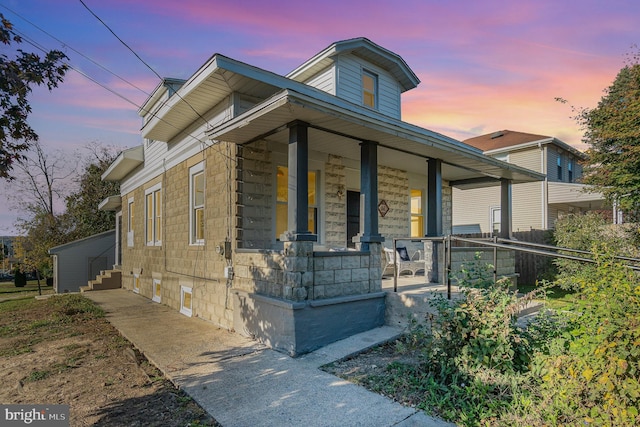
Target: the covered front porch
(307, 267)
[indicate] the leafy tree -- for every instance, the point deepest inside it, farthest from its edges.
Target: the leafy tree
(17, 78)
(612, 129)
(82, 205)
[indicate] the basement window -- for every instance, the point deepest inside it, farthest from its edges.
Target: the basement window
(136, 283)
(186, 301)
(157, 290)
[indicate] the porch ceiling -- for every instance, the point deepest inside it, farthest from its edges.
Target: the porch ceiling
(338, 130)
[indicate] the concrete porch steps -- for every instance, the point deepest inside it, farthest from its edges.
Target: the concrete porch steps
(109, 279)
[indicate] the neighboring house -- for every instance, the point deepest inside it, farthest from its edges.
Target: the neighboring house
(78, 262)
(536, 205)
(260, 202)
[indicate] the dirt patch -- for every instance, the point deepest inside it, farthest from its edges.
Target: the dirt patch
(59, 353)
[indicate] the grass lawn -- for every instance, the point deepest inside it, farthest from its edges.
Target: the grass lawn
(557, 298)
(8, 290)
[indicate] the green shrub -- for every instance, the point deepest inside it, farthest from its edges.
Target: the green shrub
(591, 375)
(587, 232)
(19, 279)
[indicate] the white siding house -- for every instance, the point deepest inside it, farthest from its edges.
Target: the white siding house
(536, 205)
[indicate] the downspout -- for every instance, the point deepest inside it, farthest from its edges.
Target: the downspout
(543, 169)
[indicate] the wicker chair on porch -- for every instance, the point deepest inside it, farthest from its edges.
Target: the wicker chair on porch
(404, 263)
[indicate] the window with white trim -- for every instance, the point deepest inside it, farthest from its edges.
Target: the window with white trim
(495, 219)
(196, 203)
(369, 89)
(130, 222)
(153, 216)
(157, 290)
(186, 300)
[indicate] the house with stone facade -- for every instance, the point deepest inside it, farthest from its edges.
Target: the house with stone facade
(261, 202)
(536, 205)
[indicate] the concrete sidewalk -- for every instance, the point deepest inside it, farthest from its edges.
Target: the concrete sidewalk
(241, 382)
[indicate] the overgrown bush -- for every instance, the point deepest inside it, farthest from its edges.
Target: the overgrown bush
(472, 350)
(592, 374)
(585, 232)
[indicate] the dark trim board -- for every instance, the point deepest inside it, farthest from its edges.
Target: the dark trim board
(297, 328)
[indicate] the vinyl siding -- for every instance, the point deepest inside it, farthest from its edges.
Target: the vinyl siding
(349, 84)
(552, 165)
(529, 158)
(159, 156)
(325, 80)
(527, 206)
(474, 206)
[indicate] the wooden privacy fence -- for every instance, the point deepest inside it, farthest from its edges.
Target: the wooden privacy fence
(529, 266)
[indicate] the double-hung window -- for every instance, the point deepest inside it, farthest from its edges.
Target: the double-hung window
(153, 215)
(559, 166)
(282, 198)
(130, 222)
(369, 89)
(196, 196)
(570, 170)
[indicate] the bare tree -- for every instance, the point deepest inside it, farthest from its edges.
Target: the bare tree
(43, 180)
(41, 183)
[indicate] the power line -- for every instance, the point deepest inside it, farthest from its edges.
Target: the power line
(133, 103)
(143, 61)
(66, 45)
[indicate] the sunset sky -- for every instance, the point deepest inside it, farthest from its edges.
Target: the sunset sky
(483, 65)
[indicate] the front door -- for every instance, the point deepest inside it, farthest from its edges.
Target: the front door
(353, 216)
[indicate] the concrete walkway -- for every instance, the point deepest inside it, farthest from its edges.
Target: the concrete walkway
(243, 383)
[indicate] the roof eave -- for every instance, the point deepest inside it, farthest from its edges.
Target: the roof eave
(124, 164)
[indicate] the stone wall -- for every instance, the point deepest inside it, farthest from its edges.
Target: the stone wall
(176, 262)
(335, 203)
(299, 274)
(393, 188)
(254, 197)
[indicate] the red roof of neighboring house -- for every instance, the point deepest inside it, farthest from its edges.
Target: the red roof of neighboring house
(503, 139)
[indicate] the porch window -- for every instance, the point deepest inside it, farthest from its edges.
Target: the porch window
(157, 290)
(130, 222)
(417, 215)
(495, 220)
(196, 190)
(153, 214)
(186, 302)
(369, 89)
(282, 198)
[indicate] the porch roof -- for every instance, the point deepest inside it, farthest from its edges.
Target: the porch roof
(336, 125)
(338, 129)
(574, 195)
